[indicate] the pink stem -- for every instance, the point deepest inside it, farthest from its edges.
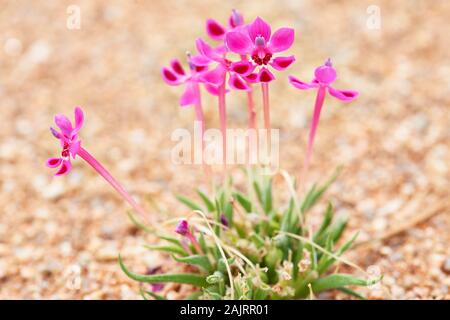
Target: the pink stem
(201, 118)
(250, 103)
(223, 121)
(251, 111)
(199, 110)
(113, 182)
(266, 109)
(194, 242)
(265, 92)
(320, 98)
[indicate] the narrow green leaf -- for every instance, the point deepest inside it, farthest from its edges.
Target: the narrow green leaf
(306, 202)
(338, 228)
(258, 193)
(202, 242)
(268, 197)
(170, 239)
(259, 294)
(189, 203)
(138, 224)
(314, 195)
(243, 201)
(325, 223)
(208, 203)
(194, 296)
(185, 278)
(338, 280)
(151, 294)
(286, 219)
(197, 260)
(228, 212)
(169, 249)
(328, 261)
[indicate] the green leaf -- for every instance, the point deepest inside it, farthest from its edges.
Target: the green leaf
(243, 201)
(189, 203)
(338, 280)
(258, 193)
(202, 242)
(185, 278)
(169, 249)
(268, 198)
(328, 261)
(307, 201)
(197, 260)
(208, 203)
(314, 195)
(194, 296)
(228, 212)
(138, 224)
(259, 294)
(170, 239)
(325, 223)
(338, 228)
(286, 219)
(151, 294)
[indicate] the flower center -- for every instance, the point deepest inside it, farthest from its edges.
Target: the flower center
(261, 61)
(65, 153)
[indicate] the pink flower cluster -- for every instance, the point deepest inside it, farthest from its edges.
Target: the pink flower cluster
(255, 45)
(245, 56)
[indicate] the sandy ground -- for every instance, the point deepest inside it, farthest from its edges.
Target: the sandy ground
(59, 237)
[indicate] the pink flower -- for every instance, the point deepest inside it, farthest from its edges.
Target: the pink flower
(324, 77)
(257, 41)
(217, 77)
(71, 147)
(216, 31)
(183, 229)
(68, 138)
(175, 75)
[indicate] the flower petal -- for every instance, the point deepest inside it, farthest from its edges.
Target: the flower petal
(79, 119)
(281, 40)
(300, 84)
(215, 30)
(214, 90)
(74, 148)
(189, 96)
(215, 77)
(252, 78)
(265, 75)
(64, 169)
(64, 124)
(55, 133)
(236, 19)
(170, 77)
(243, 67)
(200, 60)
(205, 49)
(53, 162)
(177, 67)
(237, 83)
(259, 28)
(238, 42)
(344, 95)
(282, 63)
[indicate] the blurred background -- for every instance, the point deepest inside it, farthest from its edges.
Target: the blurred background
(59, 237)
